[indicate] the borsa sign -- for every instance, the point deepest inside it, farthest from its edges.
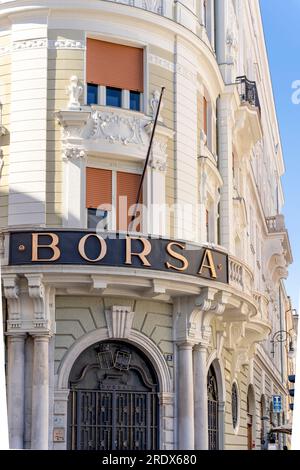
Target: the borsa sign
(89, 248)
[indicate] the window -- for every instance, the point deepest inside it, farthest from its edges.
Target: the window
(207, 224)
(234, 405)
(205, 13)
(127, 189)
(99, 197)
(114, 74)
(111, 198)
(114, 97)
(213, 410)
(205, 115)
(135, 99)
(92, 94)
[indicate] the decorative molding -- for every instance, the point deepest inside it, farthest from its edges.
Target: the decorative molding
(119, 321)
(11, 293)
(171, 67)
(73, 153)
(37, 293)
(5, 50)
(158, 162)
(39, 43)
(73, 44)
(160, 62)
(118, 127)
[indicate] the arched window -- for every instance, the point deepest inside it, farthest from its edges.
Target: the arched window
(251, 418)
(213, 410)
(234, 405)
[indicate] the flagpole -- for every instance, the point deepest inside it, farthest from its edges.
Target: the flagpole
(148, 156)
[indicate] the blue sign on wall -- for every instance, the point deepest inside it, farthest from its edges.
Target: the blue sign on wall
(277, 404)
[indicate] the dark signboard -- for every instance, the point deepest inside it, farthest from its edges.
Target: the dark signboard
(119, 250)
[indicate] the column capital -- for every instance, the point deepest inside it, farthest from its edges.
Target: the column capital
(41, 336)
(188, 345)
(201, 347)
(16, 335)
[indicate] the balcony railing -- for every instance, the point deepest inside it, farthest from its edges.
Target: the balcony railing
(276, 223)
(240, 276)
(155, 6)
(248, 91)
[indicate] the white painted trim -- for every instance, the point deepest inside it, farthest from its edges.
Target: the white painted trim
(136, 338)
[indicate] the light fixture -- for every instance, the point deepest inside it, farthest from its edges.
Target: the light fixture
(283, 336)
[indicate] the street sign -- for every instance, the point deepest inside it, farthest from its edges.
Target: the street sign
(277, 404)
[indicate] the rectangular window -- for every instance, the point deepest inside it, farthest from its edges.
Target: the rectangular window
(205, 111)
(100, 200)
(97, 215)
(113, 97)
(114, 65)
(98, 189)
(207, 225)
(92, 94)
(135, 101)
(127, 189)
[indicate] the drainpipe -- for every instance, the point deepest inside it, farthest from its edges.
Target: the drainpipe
(282, 328)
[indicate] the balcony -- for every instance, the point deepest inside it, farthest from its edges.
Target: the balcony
(248, 91)
(160, 7)
(276, 223)
(240, 276)
(248, 129)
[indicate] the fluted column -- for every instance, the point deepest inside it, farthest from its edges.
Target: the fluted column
(40, 393)
(15, 390)
(185, 397)
(200, 391)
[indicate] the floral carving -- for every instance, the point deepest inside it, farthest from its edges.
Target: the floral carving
(116, 128)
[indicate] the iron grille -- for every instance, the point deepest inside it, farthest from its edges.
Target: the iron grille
(213, 409)
(234, 405)
(248, 91)
(113, 420)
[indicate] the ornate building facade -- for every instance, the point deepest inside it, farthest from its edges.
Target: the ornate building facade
(159, 337)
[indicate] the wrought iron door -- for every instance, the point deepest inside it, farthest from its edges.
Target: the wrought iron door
(213, 410)
(113, 400)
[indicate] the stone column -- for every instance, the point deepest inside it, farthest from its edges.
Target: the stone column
(15, 390)
(200, 391)
(185, 397)
(40, 393)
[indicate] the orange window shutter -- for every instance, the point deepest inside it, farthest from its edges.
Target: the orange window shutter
(114, 65)
(98, 188)
(205, 115)
(127, 188)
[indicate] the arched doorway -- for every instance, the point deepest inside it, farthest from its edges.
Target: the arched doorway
(251, 418)
(213, 410)
(113, 403)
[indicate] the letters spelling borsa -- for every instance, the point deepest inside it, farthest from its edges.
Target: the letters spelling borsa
(89, 248)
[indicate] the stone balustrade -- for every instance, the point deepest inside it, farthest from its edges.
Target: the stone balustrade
(240, 275)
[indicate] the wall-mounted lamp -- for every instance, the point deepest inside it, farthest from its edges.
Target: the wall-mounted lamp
(283, 336)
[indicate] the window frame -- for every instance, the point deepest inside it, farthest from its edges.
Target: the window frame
(125, 92)
(112, 216)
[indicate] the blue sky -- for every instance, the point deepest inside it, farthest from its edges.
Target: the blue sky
(282, 33)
